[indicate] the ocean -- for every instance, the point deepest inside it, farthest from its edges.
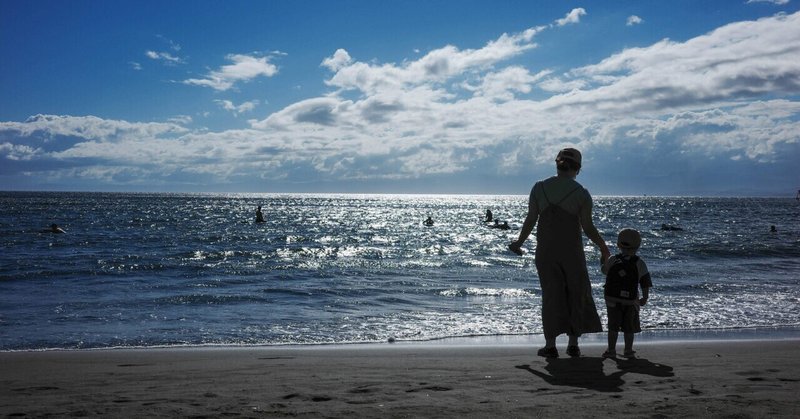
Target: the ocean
(154, 270)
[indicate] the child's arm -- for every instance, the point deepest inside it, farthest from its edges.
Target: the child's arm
(645, 282)
(645, 296)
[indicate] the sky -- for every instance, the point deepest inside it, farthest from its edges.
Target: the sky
(679, 97)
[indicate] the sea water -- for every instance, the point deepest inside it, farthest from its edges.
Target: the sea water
(142, 270)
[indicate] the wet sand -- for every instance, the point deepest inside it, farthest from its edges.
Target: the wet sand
(731, 378)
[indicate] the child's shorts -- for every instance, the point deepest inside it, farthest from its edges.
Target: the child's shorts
(623, 317)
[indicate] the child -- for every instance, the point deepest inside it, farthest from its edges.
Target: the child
(625, 274)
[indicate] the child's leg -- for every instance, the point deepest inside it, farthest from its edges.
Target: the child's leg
(628, 341)
(614, 323)
(631, 326)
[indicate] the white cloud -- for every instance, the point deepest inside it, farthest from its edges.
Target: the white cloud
(172, 44)
(338, 60)
(554, 84)
(237, 109)
(16, 152)
(633, 20)
(164, 57)
(56, 145)
(134, 65)
(778, 2)
(320, 111)
(48, 127)
(502, 85)
(574, 16)
(181, 119)
(243, 69)
(736, 61)
(437, 66)
(775, 109)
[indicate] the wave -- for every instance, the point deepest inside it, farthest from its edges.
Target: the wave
(487, 292)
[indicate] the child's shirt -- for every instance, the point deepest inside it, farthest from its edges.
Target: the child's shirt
(644, 277)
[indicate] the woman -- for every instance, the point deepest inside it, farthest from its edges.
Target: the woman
(563, 208)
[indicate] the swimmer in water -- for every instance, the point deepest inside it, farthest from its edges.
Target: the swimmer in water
(428, 222)
(667, 227)
(259, 215)
(54, 228)
(503, 226)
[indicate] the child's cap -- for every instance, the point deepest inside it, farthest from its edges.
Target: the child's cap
(629, 238)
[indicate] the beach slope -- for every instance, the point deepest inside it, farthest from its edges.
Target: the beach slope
(670, 379)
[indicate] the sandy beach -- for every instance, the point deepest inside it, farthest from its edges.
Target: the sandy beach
(748, 378)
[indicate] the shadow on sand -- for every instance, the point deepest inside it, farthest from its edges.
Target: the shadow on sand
(643, 366)
(587, 372)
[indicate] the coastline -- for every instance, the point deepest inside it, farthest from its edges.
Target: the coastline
(529, 340)
(749, 377)
(650, 336)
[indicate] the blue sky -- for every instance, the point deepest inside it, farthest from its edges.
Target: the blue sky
(663, 98)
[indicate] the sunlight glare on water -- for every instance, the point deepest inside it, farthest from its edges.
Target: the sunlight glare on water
(177, 269)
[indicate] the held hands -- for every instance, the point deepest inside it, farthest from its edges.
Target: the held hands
(604, 255)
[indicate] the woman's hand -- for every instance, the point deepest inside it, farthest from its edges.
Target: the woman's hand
(516, 248)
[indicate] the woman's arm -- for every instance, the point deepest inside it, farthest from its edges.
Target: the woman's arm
(527, 225)
(591, 232)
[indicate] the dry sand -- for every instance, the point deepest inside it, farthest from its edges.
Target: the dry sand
(730, 379)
